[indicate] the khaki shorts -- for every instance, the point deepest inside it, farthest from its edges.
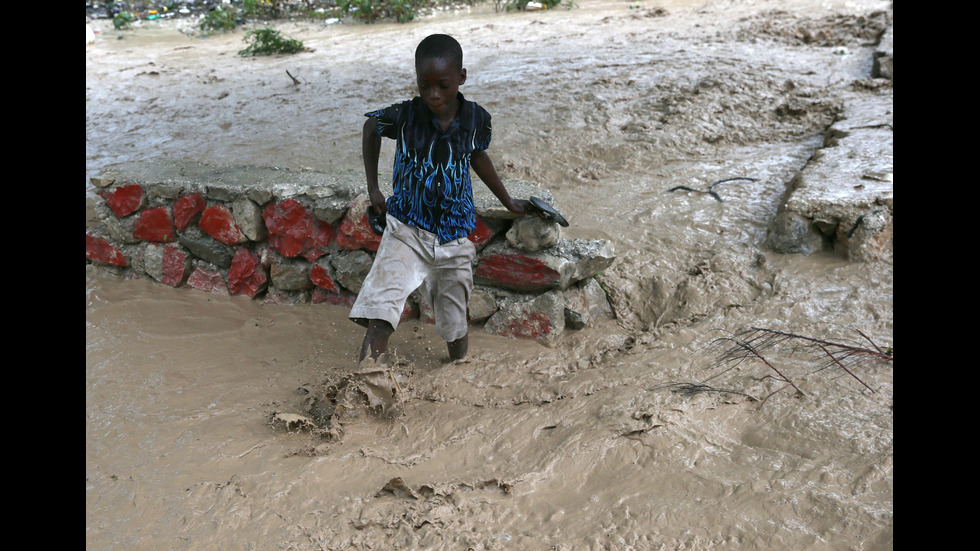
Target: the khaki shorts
(410, 258)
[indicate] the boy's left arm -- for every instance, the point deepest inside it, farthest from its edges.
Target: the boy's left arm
(483, 167)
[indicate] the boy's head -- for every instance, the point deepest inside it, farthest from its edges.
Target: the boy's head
(439, 46)
(439, 73)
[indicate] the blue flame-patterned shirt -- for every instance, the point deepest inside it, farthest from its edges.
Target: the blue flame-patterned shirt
(431, 173)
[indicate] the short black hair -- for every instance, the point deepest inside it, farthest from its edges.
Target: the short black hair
(439, 46)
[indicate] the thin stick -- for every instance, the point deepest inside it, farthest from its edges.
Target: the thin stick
(733, 179)
(867, 338)
(845, 369)
(877, 352)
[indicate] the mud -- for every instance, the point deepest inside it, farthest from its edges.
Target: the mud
(219, 422)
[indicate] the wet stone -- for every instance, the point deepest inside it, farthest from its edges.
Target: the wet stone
(482, 305)
(206, 247)
(169, 191)
(329, 205)
(102, 181)
(120, 229)
(530, 233)
(792, 233)
(884, 52)
(259, 196)
(248, 217)
(585, 303)
(290, 275)
(219, 192)
(351, 269)
(541, 318)
(575, 319)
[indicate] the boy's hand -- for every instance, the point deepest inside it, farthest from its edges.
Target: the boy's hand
(378, 202)
(523, 207)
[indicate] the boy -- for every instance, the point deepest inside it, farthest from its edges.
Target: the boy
(439, 136)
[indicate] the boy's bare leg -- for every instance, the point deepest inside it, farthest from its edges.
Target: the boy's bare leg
(376, 339)
(459, 347)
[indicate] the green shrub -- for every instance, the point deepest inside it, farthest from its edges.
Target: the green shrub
(218, 19)
(371, 10)
(268, 41)
(123, 19)
(262, 9)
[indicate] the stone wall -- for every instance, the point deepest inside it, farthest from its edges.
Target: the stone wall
(843, 199)
(287, 237)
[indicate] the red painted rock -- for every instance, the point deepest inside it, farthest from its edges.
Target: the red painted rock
(482, 234)
(517, 271)
(541, 319)
(125, 200)
(294, 231)
(558, 267)
(100, 250)
(218, 222)
(154, 224)
(321, 276)
(187, 209)
(176, 265)
(247, 275)
(319, 240)
(209, 281)
(354, 231)
(530, 325)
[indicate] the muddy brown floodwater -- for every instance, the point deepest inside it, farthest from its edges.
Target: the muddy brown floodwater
(602, 441)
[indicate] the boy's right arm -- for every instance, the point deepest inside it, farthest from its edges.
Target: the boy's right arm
(371, 151)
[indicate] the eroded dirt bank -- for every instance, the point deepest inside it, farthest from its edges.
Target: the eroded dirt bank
(591, 444)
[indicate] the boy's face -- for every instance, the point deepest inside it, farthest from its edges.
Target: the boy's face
(439, 81)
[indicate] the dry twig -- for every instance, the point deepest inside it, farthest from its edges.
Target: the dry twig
(755, 343)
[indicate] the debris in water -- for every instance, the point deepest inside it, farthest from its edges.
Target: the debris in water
(711, 190)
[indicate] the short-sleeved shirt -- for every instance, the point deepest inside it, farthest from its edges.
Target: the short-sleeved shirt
(431, 173)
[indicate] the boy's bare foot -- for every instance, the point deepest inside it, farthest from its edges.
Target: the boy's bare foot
(376, 339)
(459, 347)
